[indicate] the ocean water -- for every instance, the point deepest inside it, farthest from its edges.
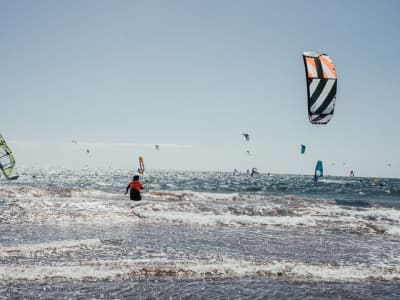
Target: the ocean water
(198, 235)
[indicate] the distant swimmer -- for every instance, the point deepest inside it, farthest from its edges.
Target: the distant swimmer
(253, 172)
(135, 186)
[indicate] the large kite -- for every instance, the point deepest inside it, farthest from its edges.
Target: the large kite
(321, 87)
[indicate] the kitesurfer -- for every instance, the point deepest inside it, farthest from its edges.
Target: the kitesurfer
(135, 186)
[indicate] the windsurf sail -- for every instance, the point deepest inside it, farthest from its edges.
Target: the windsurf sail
(303, 149)
(7, 161)
(319, 170)
(321, 87)
(141, 165)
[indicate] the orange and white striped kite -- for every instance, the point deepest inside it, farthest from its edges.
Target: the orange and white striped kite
(321, 87)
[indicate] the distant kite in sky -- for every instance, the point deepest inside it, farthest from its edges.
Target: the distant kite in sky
(321, 87)
(87, 151)
(157, 148)
(248, 152)
(303, 149)
(246, 136)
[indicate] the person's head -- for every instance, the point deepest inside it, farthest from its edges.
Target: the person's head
(136, 177)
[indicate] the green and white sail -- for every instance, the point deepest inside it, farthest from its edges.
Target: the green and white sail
(7, 161)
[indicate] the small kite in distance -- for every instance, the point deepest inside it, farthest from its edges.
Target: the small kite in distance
(303, 149)
(246, 136)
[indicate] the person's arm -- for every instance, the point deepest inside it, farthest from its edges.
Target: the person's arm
(127, 188)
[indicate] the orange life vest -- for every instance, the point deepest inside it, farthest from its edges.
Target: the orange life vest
(136, 184)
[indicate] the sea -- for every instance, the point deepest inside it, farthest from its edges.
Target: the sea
(73, 234)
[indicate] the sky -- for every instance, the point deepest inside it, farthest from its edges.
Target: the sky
(192, 76)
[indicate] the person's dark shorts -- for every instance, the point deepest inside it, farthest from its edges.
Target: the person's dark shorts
(135, 195)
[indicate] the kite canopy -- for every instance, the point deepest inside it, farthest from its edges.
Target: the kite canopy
(246, 136)
(157, 148)
(7, 161)
(303, 149)
(321, 87)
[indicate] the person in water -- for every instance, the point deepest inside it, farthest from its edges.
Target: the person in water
(135, 186)
(253, 172)
(315, 178)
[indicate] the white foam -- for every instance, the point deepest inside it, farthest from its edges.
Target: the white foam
(124, 269)
(393, 229)
(210, 209)
(29, 250)
(225, 219)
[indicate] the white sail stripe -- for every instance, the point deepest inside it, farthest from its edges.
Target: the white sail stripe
(330, 107)
(326, 70)
(326, 119)
(311, 70)
(313, 85)
(327, 88)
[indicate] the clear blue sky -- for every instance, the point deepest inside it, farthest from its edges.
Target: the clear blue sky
(121, 76)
